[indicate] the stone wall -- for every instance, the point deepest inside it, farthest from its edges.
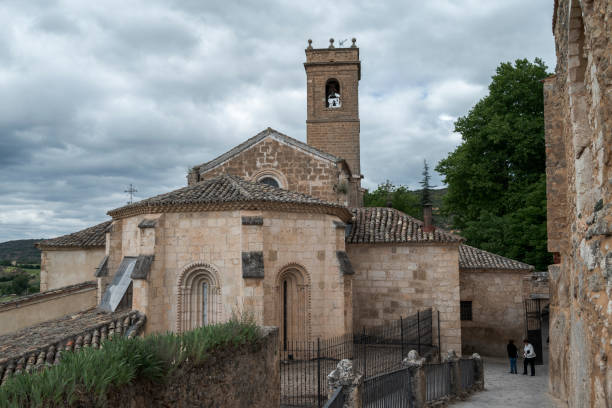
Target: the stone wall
(578, 118)
(398, 280)
(40, 307)
(65, 267)
(497, 310)
(294, 243)
(295, 169)
(335, 131)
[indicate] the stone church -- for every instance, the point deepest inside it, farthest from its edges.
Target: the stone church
(276, 227)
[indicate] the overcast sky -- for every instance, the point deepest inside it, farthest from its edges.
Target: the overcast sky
(95, 95)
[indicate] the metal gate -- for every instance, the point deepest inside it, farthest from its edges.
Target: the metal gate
(533, 323)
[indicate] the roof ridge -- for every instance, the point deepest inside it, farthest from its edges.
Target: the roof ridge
(236, 184)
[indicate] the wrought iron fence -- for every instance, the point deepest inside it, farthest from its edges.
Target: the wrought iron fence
(336, 400)
(466, 366)
(388, 390)
(438, 379)
(377, 350)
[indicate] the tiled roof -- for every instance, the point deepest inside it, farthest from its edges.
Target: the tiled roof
(88, 238)
(227, 191)
(269, 132)
(33, 347)
(372, 225)
(474, 258)
(21, 300)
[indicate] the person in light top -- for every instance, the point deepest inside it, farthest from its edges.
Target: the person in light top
(529, 355)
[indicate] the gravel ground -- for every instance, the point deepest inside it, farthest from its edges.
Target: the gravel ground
(506, 390)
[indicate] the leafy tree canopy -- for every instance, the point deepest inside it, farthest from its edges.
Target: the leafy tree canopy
(398, 197)
(496, 177)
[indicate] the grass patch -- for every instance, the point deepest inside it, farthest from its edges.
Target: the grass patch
(89, 373)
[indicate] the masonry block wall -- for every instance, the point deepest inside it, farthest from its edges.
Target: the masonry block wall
(579, 172)
(292, 244)
(296, 170)
(399, 280)
(334, 130)
(69, 266)
(497, 310)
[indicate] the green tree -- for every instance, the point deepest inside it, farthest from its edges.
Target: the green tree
(496, 177)
(425, 187)
(400, 198)
(20, 283)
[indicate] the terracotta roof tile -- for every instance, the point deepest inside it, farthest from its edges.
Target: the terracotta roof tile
(474, 258)
(224, 189)
(388, 225)
(34, 347)
(88, 238)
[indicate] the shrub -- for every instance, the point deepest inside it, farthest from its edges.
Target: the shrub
(89, 373)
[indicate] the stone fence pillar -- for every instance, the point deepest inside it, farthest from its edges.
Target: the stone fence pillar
(478, 372)
(455, 373)
(344, 376)
(416, 366)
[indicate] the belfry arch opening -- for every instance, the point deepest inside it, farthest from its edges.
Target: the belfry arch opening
(332, 94)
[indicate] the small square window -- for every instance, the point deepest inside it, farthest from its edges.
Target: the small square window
(466, 310)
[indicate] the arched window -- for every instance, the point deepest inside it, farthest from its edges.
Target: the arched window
(199, 300)
(332, 94)
(269, 181)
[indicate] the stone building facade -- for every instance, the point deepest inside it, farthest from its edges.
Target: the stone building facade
(275, 228)
(293, 165)
(399, 271)
(578, 106)
(227, 246)
(73, 258)
(492, 301)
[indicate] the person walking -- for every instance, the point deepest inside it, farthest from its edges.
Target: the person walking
(512, 355)
(529, 355)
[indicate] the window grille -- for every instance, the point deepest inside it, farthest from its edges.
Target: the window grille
(466, 310)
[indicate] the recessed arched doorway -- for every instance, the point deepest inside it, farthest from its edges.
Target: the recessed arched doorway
(293, 306)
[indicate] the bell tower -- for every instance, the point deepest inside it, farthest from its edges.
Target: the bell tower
(332, 122)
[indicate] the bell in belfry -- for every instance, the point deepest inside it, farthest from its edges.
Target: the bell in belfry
(333, 98)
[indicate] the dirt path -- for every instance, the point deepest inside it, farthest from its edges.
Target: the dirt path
(506, 390)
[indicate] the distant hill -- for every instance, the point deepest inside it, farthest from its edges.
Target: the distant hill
(20, 250)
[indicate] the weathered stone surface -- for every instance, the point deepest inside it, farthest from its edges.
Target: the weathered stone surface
(350, 381)
(579, 170)
(345, 263)
(252, 221)
(142, 267)
(253, 264)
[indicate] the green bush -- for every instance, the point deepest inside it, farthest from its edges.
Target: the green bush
(89, 373)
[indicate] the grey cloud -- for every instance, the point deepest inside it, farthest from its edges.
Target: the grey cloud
(97, 95)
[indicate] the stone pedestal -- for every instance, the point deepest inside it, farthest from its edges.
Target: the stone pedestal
(416, 366)
(350, 381)
(455, 374)
(478, 372)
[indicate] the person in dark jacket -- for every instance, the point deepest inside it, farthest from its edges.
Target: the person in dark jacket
(512, 355)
